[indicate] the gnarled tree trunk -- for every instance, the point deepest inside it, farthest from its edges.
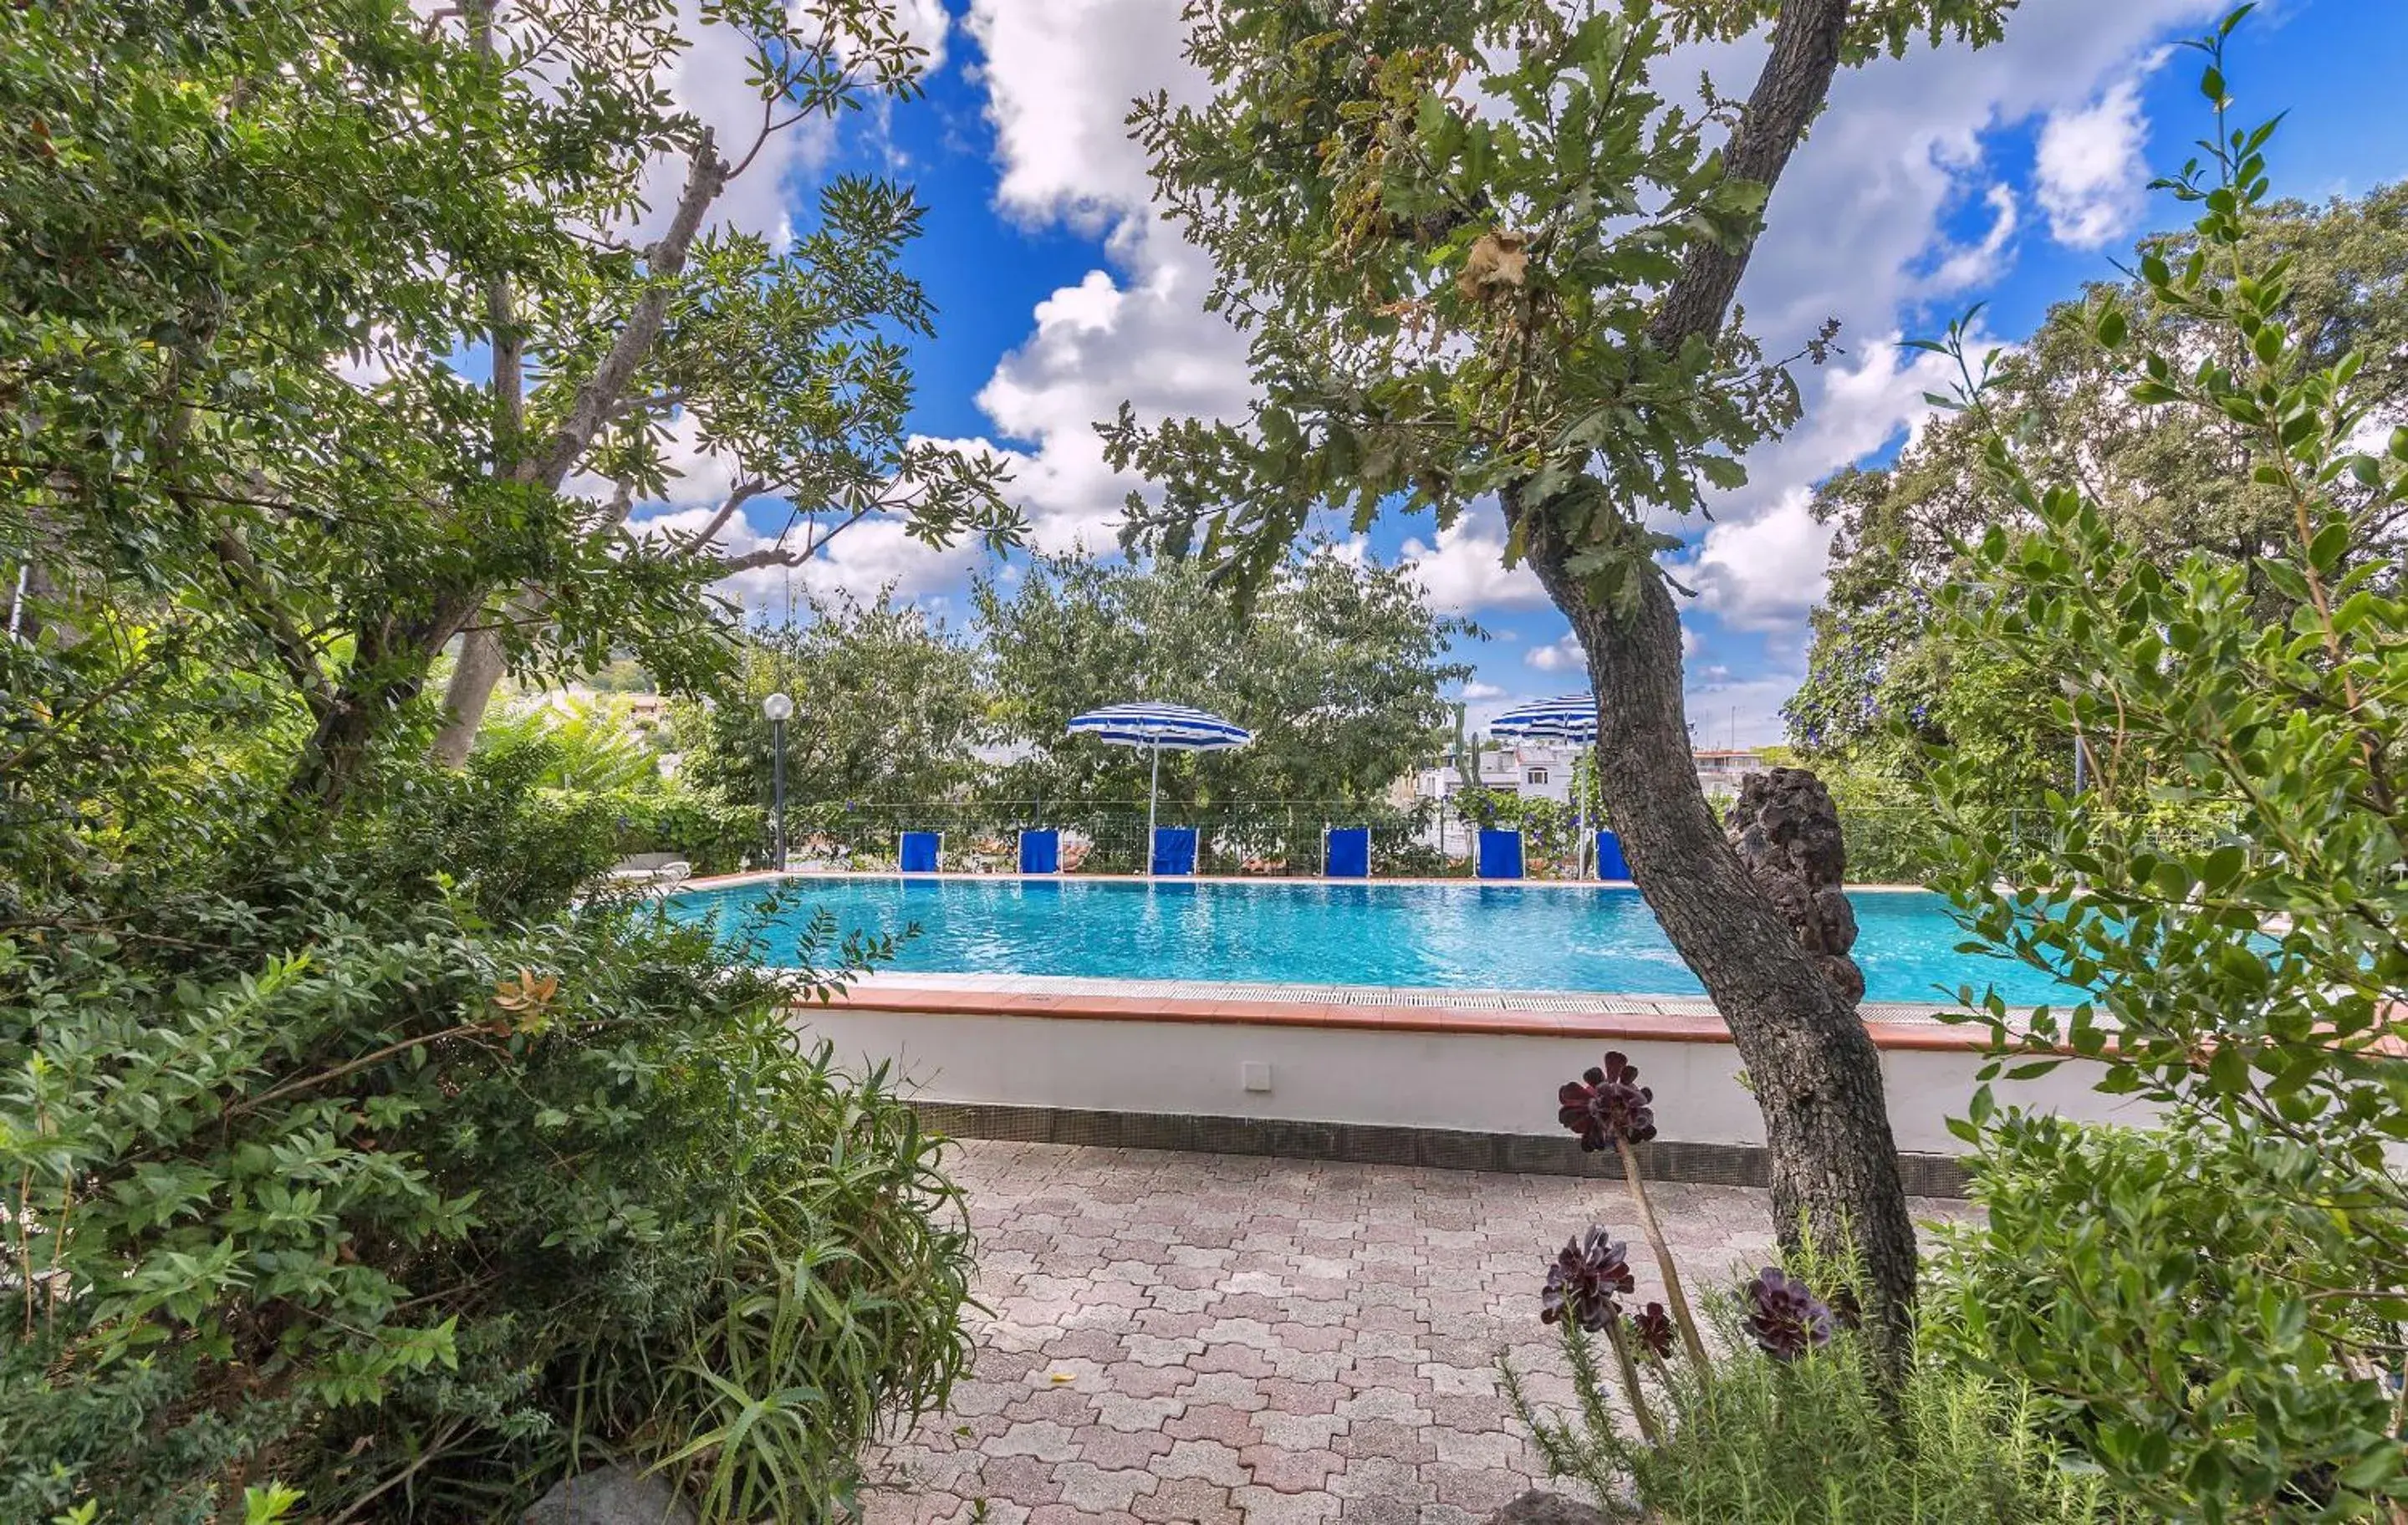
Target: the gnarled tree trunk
(1815, 1071)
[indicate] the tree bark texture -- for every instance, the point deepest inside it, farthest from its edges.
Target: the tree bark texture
(482, 665)
(1816, 1075)
(1787, 834)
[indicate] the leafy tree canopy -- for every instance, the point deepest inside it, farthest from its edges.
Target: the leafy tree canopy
(1884, 687)
(888, 707)
(214, 214)
(1476, 248)
(1336, 667)
(344, 1148)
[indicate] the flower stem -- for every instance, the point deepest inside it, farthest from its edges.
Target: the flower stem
(1672, 1292)
(1647, 1426)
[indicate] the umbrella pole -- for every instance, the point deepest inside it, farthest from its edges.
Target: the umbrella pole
(1153, 792)
(1581, 848)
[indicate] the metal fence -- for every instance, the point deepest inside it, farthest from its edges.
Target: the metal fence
(1278, 837)
(1270, 839)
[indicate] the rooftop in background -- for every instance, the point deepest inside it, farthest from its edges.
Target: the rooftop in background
(1543, 771)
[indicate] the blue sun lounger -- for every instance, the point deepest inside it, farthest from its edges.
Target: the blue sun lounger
(921, 850)
(1174, 850)
(1346, 853)
(1040, 852)
(1610, 861)
(1500, 853)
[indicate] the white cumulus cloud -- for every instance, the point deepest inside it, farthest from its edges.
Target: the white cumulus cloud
(1462, 569)
(1763, 573)
(2091, 175)
(1564, 656)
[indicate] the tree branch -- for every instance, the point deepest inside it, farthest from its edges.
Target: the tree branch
(597, 396)
(743, 491)
(1788, 95)
(501, 310)
(778, 555)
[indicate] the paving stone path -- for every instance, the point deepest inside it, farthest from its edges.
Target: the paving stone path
(1217, 1339)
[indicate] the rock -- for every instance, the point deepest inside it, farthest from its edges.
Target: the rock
(1788, 833)
(612, 1495)
(1542, 1508)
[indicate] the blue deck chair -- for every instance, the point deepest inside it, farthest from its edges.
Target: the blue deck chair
(1040, 852)
(1500, 853)
(1610, 861)
(1174, 850)
(1348, 854)
(920, 850)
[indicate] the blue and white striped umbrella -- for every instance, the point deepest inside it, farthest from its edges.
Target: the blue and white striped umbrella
(1569, 717)
(1159, 727)
(1172, 725)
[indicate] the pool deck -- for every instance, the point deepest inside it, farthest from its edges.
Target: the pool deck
(1179, 1337)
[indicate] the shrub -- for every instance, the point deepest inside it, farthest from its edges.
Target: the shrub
(1786, 1413)
(2147, 1284)
(495, 831)
(708, 832)
(2210, 1308)
(344, 1187)
(1763, 1439)
(590, 788)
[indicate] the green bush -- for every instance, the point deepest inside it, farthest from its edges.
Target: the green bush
(593, 794)
(1549, 827)
(2144, 1284)
(711, 834)
(2211, 1306)
(339, 1188)
(497, 831)
(1777, 1408)
(1815, 1440)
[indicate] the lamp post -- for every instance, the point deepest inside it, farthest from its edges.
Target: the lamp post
(778, 708)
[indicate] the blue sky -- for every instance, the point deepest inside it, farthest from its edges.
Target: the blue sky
(2007, 176)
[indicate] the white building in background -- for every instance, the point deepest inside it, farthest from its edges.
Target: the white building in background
(1543, 771)
(1721, 769)
(1531, 769)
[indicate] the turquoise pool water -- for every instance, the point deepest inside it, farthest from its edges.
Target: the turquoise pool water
(1475, 936)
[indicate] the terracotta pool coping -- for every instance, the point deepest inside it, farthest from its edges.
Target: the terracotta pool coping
(1908, 1036)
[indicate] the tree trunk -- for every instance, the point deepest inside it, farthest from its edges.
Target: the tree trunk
(479, 670)
(388, 670)
(474, 677)
(482, 665)
(1816, 1073)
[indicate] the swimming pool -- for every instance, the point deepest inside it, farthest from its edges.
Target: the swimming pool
(1425, 936)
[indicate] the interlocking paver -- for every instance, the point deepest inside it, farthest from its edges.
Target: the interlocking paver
(1209, 1339)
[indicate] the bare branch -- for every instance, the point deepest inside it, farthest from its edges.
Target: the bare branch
(744, 490)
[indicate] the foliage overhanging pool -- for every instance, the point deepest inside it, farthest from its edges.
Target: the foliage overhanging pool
(1425, 936)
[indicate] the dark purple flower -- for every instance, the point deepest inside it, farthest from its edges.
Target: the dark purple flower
(1582, 1283)
(1652, 1327)
(1786, 1319)
(1607, 1104)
